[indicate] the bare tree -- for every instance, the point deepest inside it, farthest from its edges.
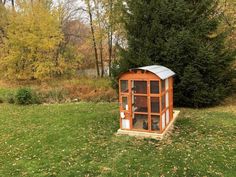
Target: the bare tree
(89, 11)
(100, 31)
(110, 34)
(13, 4)
(3, 2)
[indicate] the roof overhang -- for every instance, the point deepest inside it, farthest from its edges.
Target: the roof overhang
(161, 71)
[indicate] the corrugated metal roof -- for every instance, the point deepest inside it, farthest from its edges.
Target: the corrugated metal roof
(161, 71)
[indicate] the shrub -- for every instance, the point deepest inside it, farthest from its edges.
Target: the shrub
(55, 95)
(36, 98)
(1, 100)
(10, 98)
(24, 96)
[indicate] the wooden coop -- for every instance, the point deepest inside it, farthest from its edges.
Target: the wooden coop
(146, 99)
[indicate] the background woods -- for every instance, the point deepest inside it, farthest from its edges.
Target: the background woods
(43, 40)
(34, 45)
(46, 39)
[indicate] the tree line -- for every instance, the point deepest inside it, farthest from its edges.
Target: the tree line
(42, 39)
(33, 44)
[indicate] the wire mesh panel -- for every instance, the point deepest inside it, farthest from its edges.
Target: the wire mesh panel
(155, 121)
(163, 102)
(124, 86)
(140, 121)
(140, 87)
(154, 87)
(155, 105)
(163, 85)
(124, 103)
(140, 104)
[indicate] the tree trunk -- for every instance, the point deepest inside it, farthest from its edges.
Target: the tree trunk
(13, 4)
(93, 35)
(110, 34)
(110, 51)
(3, 2)
(100, 37)
(101, 58)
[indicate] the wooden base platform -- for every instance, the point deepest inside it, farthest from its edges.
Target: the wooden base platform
(147, 134)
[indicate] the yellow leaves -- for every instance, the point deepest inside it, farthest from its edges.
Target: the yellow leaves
(34, 37)
(43, 69)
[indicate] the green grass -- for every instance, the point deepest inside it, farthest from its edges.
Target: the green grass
(79, 140)
(6, 93)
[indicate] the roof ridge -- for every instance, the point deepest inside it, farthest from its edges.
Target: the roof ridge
(161, 71)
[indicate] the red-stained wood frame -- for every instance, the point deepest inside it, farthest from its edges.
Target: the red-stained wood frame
(140, 75)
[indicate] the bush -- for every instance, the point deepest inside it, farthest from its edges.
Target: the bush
(24, 96)
(1, 100)
(27, 96)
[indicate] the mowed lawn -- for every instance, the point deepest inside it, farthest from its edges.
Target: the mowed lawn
(79, 140)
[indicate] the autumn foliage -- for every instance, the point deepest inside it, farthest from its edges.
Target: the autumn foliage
(33, 46)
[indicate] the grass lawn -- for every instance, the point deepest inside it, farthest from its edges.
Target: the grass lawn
(78, 140)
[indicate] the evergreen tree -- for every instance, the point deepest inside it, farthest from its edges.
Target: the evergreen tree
(184, 36)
